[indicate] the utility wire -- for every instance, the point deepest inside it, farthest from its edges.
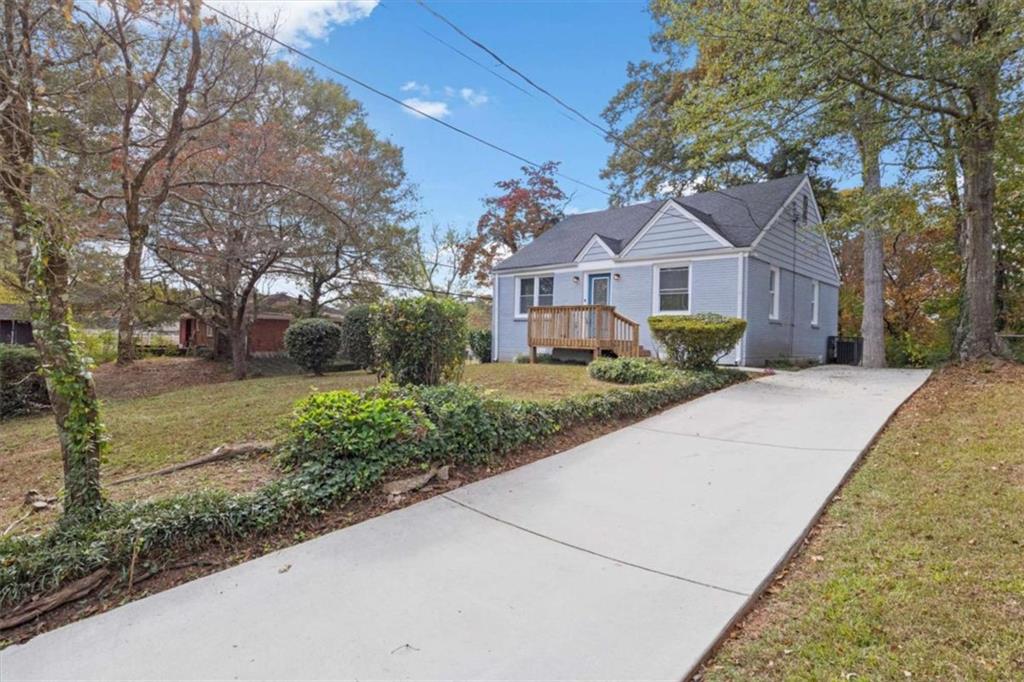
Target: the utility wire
(377, 91)
(608, 133)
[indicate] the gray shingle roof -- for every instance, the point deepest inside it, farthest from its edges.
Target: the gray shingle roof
(738, 214)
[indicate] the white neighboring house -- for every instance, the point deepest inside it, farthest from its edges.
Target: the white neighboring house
(754, 251)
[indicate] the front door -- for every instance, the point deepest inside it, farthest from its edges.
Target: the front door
(600, 289)
(599, 293)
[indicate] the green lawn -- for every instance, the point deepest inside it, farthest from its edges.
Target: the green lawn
(153, 432)
(918, 569)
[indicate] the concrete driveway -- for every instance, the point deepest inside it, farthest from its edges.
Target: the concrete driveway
(624, 558)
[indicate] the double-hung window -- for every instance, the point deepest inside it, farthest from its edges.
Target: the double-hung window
(534, 291)
(673, 294)
(814, 303)
(773, 292)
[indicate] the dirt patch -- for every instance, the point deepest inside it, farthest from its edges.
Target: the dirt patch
(154, 376)
(177, 568)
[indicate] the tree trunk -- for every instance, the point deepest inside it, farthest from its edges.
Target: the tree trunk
(239, 350)
(130, 279)
(978, 337)
(68, 380)
(872, 323)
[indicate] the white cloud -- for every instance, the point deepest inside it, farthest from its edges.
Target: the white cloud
(298, 21)
(429, 107)
(576, 210)
(474, 98)
(413, 86)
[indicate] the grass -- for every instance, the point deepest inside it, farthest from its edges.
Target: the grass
(152, 432)
(917, 571)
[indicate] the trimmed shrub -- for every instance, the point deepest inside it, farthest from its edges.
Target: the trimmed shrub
(356, 342)
(312, 343)
(419, 340)
(626, 370)
(343, 424)
(480, 343)
(696, 341)
(22, 388)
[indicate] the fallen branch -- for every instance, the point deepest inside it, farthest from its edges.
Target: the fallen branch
(408, 485)
(75, 590)
(219, 453)
(15, 523)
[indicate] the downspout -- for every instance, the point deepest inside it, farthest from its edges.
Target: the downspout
(494, 317)
(741, 295)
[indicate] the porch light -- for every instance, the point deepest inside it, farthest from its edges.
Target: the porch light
(616, 277)
(575, 279)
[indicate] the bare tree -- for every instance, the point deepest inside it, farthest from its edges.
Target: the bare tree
(160, 90)
(220, 238)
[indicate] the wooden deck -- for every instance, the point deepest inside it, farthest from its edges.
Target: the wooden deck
(596, 328)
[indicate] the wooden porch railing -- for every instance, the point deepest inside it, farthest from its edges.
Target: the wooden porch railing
(586, 327)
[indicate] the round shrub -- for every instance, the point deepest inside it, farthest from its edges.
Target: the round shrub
(356, 342)
(312, 343)
(419, 340)
(626, 370)
(480, 344)
(22, 388)
(696, 341)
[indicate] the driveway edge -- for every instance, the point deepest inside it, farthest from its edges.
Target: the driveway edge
(751, 603)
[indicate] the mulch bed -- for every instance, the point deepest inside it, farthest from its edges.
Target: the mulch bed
(175, 570)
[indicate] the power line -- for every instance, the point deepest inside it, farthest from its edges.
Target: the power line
(609, 134)
(511, 68)
(492, 145)
(377, 91)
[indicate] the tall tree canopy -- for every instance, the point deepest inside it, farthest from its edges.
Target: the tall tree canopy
(959, 64)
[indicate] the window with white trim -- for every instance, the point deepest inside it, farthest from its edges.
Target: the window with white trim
(673, 289)
(534, 291)
(814, 303)
(773, 291)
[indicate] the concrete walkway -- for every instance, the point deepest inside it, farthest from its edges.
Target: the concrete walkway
(624, 558)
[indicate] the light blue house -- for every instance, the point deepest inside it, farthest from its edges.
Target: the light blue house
(588, 285)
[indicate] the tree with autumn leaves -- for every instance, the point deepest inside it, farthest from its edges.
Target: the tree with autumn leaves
(526, 208)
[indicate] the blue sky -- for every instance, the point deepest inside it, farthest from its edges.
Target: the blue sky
(578, 50)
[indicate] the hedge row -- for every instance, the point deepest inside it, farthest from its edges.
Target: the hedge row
(627, 370)
(340, 445)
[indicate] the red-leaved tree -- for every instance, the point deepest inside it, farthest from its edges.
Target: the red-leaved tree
(526, 208)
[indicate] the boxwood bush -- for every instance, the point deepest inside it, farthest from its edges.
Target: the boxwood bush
(480, 344)
(419, 340)
(626, 370)
(340, 445)
(22, 388)
(313, 343)
(356, 342)
(696, 341)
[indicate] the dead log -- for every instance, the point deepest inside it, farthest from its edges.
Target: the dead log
(219, 453)
(68, 593)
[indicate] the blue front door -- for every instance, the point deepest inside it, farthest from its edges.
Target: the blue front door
(600, 289)
(599, 292)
